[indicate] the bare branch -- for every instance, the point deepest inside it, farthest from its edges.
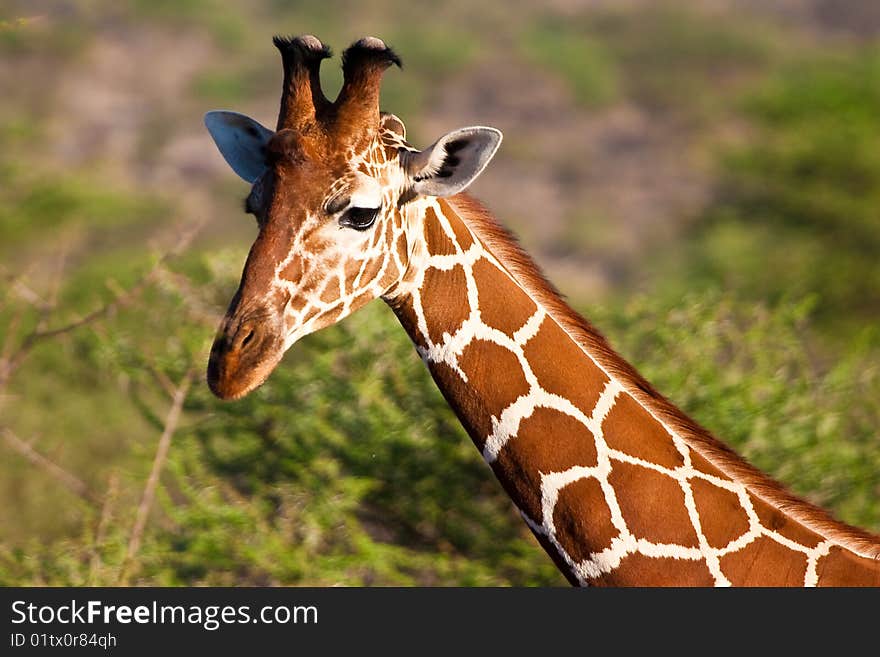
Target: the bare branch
(103, 524)
(26, 294)
(13, 361)
(106, 309)
(54, 288)
(162, 379)
(7, 351)
(196, 307)
(149, 494)
(73, 483)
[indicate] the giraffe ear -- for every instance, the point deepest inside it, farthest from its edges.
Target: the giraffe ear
(453, 161)
(241, 141)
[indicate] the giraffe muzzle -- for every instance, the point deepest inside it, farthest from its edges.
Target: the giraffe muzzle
(243, 355)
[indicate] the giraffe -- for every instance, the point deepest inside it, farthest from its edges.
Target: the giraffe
(618, 485)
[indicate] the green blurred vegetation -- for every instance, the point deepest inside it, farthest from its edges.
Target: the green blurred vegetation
(583, 62)
(675, 56)
(344, 468)
(797, 210)
(757, 314)
(663, 55)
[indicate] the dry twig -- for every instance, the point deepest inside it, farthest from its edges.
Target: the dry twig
(73, 483)
(103, 524)
(149, 494)
(12, 360)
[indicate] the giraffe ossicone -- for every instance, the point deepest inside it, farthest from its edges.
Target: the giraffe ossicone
(616, 483)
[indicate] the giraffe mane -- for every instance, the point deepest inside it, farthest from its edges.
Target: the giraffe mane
(528, 274)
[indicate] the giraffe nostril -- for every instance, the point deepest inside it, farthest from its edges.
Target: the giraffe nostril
(247, 338)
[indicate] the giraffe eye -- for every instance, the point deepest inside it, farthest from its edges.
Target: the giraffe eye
(359, 218)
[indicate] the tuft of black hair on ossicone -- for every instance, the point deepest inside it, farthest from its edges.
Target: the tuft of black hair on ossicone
(307, 47)
(369, 50)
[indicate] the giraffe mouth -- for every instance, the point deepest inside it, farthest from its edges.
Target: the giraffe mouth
(244, 354)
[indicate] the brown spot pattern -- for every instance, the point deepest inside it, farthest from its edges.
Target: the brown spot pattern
(637, 569)
(495, 379)
(775, 520)
(722, 517)
(557, 362)
(547, 441)
(463, 236)
(700, 464)
(447, 313)
(502, 304)
(331, 290)
(630, 429)
(764, 562)
(436, 239)
(645, 497)
(582, 519)
(843, 568)
(391, 274)
(293, 271)
(460, 398)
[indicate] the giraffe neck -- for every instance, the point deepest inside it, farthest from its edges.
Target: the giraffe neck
(611, 492)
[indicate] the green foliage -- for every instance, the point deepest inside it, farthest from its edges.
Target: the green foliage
(796, 212)
(816, 162)
(440, 49)
(662, 56)
(675, 57)
(37, 203)
(234, 86)
(346, 467)
(226, 24)
(34, 206)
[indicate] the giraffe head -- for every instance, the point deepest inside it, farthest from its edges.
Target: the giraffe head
(332, 189)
